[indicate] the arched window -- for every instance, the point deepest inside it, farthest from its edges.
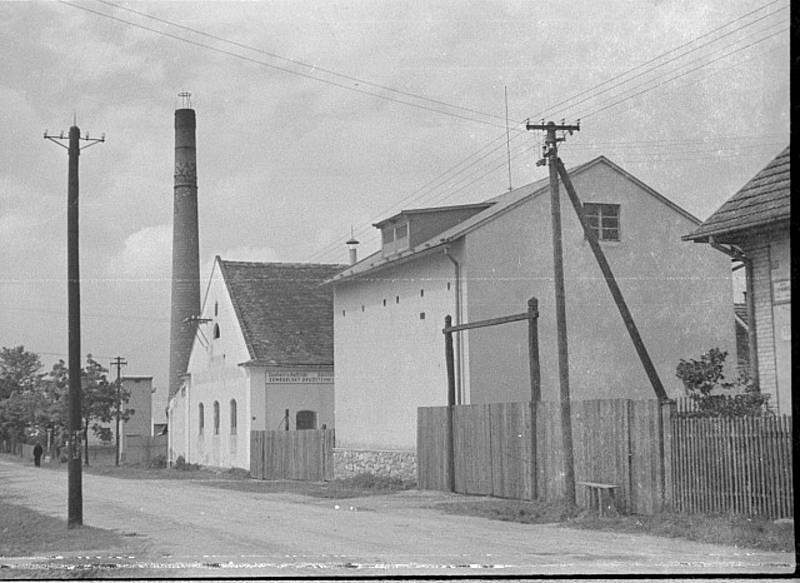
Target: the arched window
(306, 420)
(216, 330)
(201, 418)
(233, 416)
(216, 417)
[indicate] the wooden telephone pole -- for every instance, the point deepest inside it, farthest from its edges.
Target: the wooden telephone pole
(74, 483)
(551, 155)
(119, 362)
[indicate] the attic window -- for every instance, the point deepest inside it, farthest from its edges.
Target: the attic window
(603, 219)
(216, 331)
(388, 235)
(401, 231)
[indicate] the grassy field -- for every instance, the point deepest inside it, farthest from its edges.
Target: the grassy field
(26, 532)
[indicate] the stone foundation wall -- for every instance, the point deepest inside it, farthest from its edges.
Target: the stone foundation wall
(396, 464)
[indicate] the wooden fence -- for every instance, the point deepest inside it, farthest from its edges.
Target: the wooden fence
(292, 455)
(657, 459)
(501, 451)
(741, 465)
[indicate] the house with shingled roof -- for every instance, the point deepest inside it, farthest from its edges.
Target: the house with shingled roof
(753, 227)
(486, 260)
(262, 359)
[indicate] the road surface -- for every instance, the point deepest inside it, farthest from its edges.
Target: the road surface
(182, 528)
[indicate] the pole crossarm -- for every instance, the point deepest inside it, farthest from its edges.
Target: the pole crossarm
(491, 322)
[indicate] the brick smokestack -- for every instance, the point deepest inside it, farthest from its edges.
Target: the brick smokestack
(185, 247)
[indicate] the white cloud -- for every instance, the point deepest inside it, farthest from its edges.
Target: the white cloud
(146, 254)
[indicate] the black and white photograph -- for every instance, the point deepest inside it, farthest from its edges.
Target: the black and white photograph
(386, 289)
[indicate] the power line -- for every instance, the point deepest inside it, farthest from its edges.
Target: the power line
(647, 90)
(298, 62)
(656, 58)
(282, 69)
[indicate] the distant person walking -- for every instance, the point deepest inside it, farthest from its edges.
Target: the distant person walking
(37, 454)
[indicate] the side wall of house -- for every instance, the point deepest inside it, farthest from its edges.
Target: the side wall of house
(141, 391)
(770, 253)
(678, 293)
(389, 359)
(216, 377)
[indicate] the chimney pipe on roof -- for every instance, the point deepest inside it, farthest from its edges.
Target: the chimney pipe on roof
(352, 245)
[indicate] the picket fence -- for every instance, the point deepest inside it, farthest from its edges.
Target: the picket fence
(292, 455)
(739, 465)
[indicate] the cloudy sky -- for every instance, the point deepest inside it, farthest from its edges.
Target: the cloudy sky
(315, 117)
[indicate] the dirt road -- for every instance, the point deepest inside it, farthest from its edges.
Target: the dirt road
(183, 528)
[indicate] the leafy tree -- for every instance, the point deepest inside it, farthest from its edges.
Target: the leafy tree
(704, 381)
(21, 404)
(18, 370)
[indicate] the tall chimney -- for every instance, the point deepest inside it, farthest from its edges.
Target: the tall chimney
(185, 246)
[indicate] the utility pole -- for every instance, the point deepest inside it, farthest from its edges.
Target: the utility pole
(551, 155)
(74, 483)
(119, 362)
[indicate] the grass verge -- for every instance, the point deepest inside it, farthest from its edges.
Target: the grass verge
(25, 532)
(739, 531)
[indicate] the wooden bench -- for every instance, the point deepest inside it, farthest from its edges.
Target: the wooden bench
(594, 496)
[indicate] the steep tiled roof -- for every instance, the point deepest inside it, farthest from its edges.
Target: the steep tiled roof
(763, 200)
(285, 315)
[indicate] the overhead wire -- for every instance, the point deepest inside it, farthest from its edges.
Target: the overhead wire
(279, 68)
(456, 169)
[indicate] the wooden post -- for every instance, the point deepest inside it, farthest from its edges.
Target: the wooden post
(451, 400)
(536, 387)
(612, 285)
(533, 349)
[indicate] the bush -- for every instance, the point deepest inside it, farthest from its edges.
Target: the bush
(180, 464)
(701, 377)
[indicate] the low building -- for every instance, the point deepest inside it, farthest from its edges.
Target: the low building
(262, 359)
(753, 226)
(485, 260)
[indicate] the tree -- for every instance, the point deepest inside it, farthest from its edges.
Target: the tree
(704, 381)
(21, 403)
(99, 403)
(18, 370)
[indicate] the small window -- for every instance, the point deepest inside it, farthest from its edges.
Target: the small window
(306, 420)
(388, 235)
(401, 231)
(201, 418)
(422, 315)
(216, 417)
(422, 293)
(384, 302)
(216, 331)
(216, 308)
(362, 307)
(603, 219)
(343, 313)
(233, 417)
(396, 299)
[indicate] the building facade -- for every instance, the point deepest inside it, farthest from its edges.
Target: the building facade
(482, 261)
(753, 226)
(262, 359)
